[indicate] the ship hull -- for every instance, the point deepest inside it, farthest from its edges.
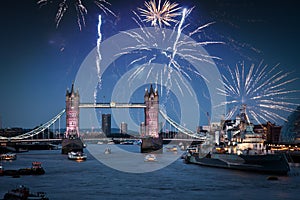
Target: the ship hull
(69, 145)
(269, 163)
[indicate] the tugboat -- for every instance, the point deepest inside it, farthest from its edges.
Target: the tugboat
(36, 169)
(23, 193)
(78, 156)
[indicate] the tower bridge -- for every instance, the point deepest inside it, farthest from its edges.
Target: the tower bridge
(150, 131)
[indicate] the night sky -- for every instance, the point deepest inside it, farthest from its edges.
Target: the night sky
(39, 61)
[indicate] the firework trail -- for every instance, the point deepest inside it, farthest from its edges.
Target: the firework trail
(260, 89)
(80, 8)
(98, 57)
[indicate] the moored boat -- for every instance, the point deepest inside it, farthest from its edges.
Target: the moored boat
(237, 146)
(267, 163)
(78, 156)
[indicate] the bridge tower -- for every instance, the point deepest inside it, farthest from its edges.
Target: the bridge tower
(152, 140)
(151, 113)
(72, 141)
(72, 113)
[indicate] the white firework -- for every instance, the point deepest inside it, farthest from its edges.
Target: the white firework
(81, 9)
(262, 89)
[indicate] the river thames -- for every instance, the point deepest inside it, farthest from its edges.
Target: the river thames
(91, 179)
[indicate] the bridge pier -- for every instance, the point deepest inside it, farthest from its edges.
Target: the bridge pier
(152, 145)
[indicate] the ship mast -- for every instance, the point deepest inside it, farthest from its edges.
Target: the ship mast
(244, 115)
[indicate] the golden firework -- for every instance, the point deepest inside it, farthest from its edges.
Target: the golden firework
(160, 14)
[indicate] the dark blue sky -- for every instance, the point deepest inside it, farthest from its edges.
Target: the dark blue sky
(39, 61)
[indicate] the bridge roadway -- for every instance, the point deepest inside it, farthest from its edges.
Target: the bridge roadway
(112, 105)
(94, 139)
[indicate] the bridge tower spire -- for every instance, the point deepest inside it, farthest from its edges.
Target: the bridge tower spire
(72, 113)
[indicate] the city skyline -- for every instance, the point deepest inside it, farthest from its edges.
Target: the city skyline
(40, 61)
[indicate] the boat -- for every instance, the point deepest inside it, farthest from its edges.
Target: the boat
(8, 156)
(78, 156)
(36, 169)
(23, 193)
(248, 154)
(150, 158)
(240, 148)
(172, 149)
(107, 151)
(267, 163)
(1, 170)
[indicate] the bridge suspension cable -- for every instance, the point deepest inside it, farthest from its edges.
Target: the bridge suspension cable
(180, 127)
(37, 130)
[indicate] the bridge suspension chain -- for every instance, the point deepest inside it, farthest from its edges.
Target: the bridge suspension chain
(37, 130)
(180, 127)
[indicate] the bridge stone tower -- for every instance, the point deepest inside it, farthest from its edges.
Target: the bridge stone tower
(72, 113)
(72, 141)
(151, 113)
(152, 140)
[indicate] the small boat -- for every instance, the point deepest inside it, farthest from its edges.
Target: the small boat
(78, 156)
(111, 142)
(1, 170)
(36, 169)
(172, 149)
(107, 151)
(150, 158)
(23, 193)
(8, 156)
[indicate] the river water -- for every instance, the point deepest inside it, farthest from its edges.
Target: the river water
(100, 178)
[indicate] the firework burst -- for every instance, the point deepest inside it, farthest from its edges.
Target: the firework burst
(81, 9)
(262, 89)
(160, 14)
(174, 46)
